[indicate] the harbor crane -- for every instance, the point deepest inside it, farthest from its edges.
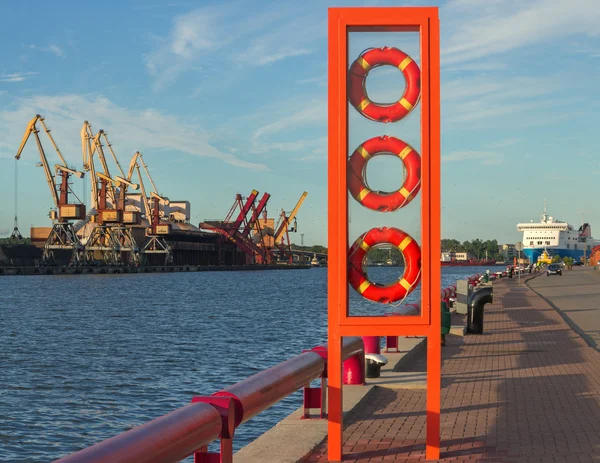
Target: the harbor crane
(238, 230)
(62, 237)
(111, 236)
(282, 235)
(155, 243)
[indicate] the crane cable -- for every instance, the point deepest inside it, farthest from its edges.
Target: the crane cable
(16, 234)
(16, 189)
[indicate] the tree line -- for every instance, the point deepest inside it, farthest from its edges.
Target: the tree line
(475, 247)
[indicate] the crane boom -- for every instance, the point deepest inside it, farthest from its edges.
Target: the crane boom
(120, 178)
(50, 178)
(132, 165)
(112, 152)
(144, 197)
(98, 148)
(52, 140)
(287, 220)
(28, 131)
(86, 149)
(154, 194)
(135, 163)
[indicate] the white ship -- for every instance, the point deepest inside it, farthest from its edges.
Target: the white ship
(556, 238)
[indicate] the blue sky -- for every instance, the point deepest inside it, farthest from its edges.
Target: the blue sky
(224, 97)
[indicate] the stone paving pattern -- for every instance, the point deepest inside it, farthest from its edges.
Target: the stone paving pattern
(527, 390)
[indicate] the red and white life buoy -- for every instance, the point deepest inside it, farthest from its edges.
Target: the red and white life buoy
(357, 93)
(378, 200)
(376, 292)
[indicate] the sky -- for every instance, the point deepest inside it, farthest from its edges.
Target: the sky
(223, 97)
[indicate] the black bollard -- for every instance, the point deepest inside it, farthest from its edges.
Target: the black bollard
(475, 309)
(374, 362)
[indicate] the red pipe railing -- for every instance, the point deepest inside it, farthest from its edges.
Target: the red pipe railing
(167, 439)
(188, 430)
(353, 356)
(260, 391)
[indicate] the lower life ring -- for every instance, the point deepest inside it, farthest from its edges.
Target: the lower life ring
(357, 78)
(397, 291)
(378, 200)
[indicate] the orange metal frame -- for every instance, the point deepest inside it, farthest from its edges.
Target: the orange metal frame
(423, 20)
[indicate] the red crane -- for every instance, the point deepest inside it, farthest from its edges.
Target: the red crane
(238, 230)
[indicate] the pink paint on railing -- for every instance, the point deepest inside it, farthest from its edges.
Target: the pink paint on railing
(258, 392)
(353, 355)
(353, 373)
(391, 342)
(371, 344)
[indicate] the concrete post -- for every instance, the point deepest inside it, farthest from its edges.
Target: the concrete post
(462, 296)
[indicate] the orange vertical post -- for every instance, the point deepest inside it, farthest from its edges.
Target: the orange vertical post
(337, 276)
(424, 22)
(434, 347)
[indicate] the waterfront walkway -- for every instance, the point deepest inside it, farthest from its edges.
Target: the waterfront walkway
(527, 390)
(577, 298)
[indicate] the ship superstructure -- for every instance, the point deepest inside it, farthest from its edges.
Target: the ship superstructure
(556, 237)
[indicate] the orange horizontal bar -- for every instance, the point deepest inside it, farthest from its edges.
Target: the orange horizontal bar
(384, 329)
(384, 16)
(384, 29)
(386, 320)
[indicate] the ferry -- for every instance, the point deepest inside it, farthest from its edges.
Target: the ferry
(551, 237)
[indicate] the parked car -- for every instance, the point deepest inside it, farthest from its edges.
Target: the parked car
(577, 264)
(554, 269)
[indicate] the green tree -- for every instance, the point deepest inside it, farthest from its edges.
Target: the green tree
(451, 245)
(556, 259)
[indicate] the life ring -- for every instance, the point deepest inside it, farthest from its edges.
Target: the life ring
(398, 290)
(357, 91)
(378, 200)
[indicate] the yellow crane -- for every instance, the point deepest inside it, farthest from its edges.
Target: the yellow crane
(136, 160)
(283, 227)
(155, 243)
(112, 236)
(62, 235)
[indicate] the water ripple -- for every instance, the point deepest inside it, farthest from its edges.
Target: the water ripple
(89, 356)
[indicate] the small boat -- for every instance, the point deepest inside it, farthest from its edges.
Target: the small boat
(315, 262)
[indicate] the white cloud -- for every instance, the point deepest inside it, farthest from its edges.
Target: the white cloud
(313, 112)
(486, 157)
(498, 26)
(51, 48)
(486, 97)
(16, 77)
(504, 143)
(264, 56)
(128, 130)
(321, 80)
(222, 35)
(56, 50)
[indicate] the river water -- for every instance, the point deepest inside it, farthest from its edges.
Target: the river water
(85, 357)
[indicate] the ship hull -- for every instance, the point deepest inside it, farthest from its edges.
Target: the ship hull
(533, 253)
(467, 263)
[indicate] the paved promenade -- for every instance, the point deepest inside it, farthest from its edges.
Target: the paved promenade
(577, 297)
(527, 390)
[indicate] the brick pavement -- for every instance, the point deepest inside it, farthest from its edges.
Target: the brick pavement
(527, 390)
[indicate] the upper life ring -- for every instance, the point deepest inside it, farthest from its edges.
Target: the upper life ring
(377, 200)
(357, 91)
(398, 290)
